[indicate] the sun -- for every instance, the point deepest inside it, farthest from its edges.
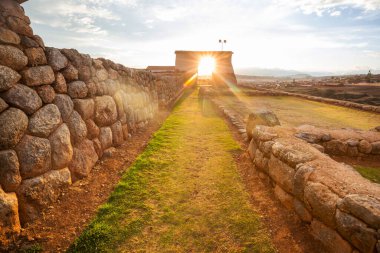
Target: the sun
(206, 66)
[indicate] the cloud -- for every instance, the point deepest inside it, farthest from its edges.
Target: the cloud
(335, 13)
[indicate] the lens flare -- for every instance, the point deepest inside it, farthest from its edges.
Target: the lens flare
(206, 66)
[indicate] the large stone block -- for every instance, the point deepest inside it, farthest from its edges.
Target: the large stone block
(13, 124)
(105, 137)
(285, 198)
(10, 177)
(84, 159)
(40, 75)
(12, 57)
(281, 173)
(61, 148)
(36, 56)
(23, 97)
(322, 202)
(265, 118)
(329, 238)
(70, 73)
(117, 134)
(85, 107)
(105, 111)
(301, 211)
(336, 147)
(356, 232)
(56, 59)
(77, 126)
(292, 152)
(45, 121)
(261, 162)
(77, 89)
(9, 217)
(126, 131)
(19, 26)
(46, 93)
(119, 100)
(8, 78)
(3, 105)
(65, 106)
(36, 194)
(9, 37)
(300, 179)
(60, 85)
(92, 129)
(375, 148)
(365, 147)
(34, 155)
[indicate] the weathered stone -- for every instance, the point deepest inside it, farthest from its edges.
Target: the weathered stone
(45, 121)
(85, 107)
(252, 149)
(265, 118)
(77, 126)
(109, 152)
(9, 37)
(19, 26)
(92, 129)
(352, 151)
(3, 105)
(13, 124)
(308, 137)
(74, 56)
(365, 147)
(70, 73)
(98, 147)
(119, 101)
(8, 78)
(126, 131)
(375, 148)
(84, 160)
(40, 75)
(261, 162)
(65, 106)
(352, 142)
(27, 42)
(356, 232)
(326, 137)
(46, 93)
(281, 173)
(111, 87)
(292, 154)
(301, 211)
(285, 198)
(24, 98)
(105, 111)
(105, 137)
(61, 148)
(300, 179)
(266, 147)
(56, 59)
(113, 74)
(319, 147)
(9, 216)
(60, 85)
(102, 74)
(84, 73)
(322, 202)
(36, 56)
(336, 147)
(10, 177)
(12, 57)
(34, 155)
(91, 87)
(37, 194)
(77, 89)
(39, 41)
(329, 238)
(365, 208)
(117, 134)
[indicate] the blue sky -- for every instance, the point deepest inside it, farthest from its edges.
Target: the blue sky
(326, 35)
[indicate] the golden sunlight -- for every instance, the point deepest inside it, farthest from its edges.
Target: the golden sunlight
(206, 66)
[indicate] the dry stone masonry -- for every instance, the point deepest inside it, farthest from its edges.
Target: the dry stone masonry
(60, 110)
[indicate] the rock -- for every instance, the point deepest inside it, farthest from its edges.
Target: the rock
(326, 137)
(292, 153)
(105, 137)
(70, 73)
(8, 78)
(91, 87)
(12, 57)
(46, 93)
(105, 111)
(65, 106)
(365, 208)
(102, 74)
(77, 126)
(45, 121)
(34, 155)
(60, 85)
(322, 202)
(27, 42)
(252, 149)
(56, 59)
(84, 160)
(266, 147)
(9, 217)
(40, 75)
(356, 232)
(109, 152)
(113, 74)
(3, 105)
(261, 162)
(85, 107)
(61, 148)
(98, 147)
(352, 142)
(336, 147)
(84, 73)
(285, 198)
(9, 37)
(13, 124)
(125, 131)
(39, 41)
(365, 147)
(261, 133)
(308, 137)
(329, 238)
(117, 134)
(111, 87)
(10, 177)
(77, 89)
(24, 98)
(92, 129)
(375, 148)
(319, 147)
(119, 101)
(37, 194)
(301, 211)
(281, 173)
(36, 56)
(264, 117)
(352, 151)
(19, 26)
(300, 179)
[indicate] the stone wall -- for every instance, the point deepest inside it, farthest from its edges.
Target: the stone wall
(59, 111)
(341, 207)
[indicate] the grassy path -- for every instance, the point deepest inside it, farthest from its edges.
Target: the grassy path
(183, 194)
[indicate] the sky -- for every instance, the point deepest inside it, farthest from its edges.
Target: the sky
(306, 35)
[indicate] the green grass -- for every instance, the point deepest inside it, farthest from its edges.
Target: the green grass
(183, 194)
(35, 248)
(370, 173)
